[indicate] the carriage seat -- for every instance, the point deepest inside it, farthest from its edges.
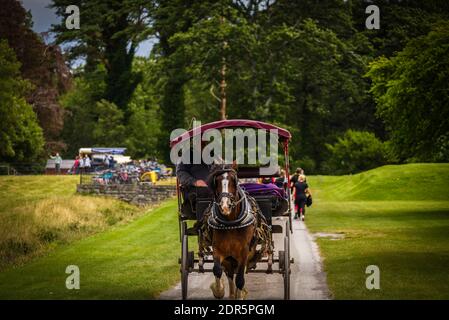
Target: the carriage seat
(195, 201)
(271, 199)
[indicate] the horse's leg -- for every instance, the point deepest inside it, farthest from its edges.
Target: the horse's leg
(230, 275)
(217, 286)
(241, 292)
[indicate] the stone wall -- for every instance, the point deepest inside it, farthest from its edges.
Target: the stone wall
(140, 194)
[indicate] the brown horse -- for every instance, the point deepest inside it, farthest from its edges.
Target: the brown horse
(233, 225)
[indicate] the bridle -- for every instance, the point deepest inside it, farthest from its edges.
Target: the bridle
(231, 198)
(224, 194)
(217, 220)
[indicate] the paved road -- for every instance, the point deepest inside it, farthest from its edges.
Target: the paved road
(308, 281)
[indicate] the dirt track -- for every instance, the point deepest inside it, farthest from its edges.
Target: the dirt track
(308, 281)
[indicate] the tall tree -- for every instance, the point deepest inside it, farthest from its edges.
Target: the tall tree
(43, 65)
(301, 76)
(411, 91)
(170, 18)
(400, 21)
(110, 33)
(21, 137)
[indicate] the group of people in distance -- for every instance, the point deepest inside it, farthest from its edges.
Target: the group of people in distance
(82, 163)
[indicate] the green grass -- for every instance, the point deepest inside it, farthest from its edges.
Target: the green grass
(38, 213)
(18, 190)
(395, 217)
(135, 261)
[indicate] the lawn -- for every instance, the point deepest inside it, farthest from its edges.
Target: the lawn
(395, 217)
(133, 261)
(38, 213)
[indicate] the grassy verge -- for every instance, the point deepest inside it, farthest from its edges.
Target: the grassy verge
(395, 217)
(133, 261)
(37, 213)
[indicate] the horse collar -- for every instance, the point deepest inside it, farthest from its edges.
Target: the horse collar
(245, 218)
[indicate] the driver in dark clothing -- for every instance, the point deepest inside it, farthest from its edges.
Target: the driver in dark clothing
(193, 175)
(192, 178)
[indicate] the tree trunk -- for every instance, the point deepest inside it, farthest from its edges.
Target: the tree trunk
(223, 91)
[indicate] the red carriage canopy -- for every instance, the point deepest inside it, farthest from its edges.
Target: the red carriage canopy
(284, 135)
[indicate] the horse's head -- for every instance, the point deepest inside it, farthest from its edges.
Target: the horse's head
(223, 182)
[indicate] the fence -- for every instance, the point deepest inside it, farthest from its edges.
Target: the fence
(86, 177)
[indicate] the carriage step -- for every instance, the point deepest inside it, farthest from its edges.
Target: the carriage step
(276, 228)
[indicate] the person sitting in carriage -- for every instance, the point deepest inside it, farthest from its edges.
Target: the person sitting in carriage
(192, 179)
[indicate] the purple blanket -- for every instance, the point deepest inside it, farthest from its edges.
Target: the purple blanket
(256, 189)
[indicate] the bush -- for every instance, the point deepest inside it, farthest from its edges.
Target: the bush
(354, 152)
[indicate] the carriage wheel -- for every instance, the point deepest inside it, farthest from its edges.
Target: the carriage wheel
(286, 268)
(184, 266)
(184, 259)
(289, 227)
(281, 260)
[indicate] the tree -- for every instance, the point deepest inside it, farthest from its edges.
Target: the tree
(170, 18)
(354, 152)
(110, 33)
(302, 76)
(144, 125)
(109, 129)
(21, 138)
(79, 103)
(401, 21)
(412, 97)
(43, 65)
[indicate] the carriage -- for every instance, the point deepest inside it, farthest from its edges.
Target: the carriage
(274, 204)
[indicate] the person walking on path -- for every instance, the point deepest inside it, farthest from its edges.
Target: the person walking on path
(301, 193)
(58, 161)
(294, 177)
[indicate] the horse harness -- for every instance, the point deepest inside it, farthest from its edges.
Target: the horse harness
(250, 214)
(246, 217)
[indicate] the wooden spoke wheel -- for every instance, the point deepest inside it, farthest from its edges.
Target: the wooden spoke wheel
(184, 261)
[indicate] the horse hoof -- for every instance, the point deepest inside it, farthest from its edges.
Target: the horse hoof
(241, 294)
(218, 289)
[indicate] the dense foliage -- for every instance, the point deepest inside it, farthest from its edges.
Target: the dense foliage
(43, 65)
(411, 91)
(21, 137)
(309, 66)
(354, 152)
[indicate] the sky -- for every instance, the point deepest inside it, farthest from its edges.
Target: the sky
(44, 17)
